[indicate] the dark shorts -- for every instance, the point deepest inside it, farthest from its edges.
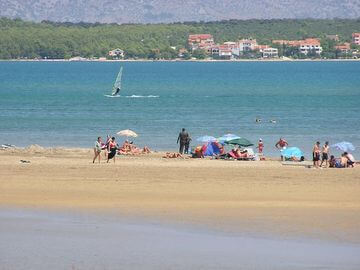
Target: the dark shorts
(316, 156)
(325, 156)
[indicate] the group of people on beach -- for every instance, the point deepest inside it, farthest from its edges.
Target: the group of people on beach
(346, 159)
(320, 155)
(111, 149)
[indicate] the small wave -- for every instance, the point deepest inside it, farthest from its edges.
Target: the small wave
(139, 96)
(111, 96)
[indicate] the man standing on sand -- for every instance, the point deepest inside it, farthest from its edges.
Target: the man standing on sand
(325, 154)
(183, 139)
(316, 154)
(281, 144)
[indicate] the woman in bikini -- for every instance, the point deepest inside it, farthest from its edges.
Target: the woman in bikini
(97, 149)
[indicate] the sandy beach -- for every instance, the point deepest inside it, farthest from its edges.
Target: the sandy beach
(261, 198)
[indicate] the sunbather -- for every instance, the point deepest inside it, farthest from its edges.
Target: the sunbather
(172, 155)
(146, 150)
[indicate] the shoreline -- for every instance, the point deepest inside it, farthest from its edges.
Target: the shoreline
(250, 197)
(182, 60)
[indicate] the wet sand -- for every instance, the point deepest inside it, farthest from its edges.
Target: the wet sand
(79, 240)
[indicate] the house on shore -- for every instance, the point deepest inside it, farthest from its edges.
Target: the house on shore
(344, 48)
(305, 46)
(356, 38)
(270, 53)
(200, 41)
(117, 53)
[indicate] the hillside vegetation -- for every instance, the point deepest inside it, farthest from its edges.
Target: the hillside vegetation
(20, 39)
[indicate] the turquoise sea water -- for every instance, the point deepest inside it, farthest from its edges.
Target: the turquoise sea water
(63, 103)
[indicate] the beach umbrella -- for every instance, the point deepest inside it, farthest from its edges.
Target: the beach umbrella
(344, 146)
(240, 142)
(228, 137)
(292, 152)
(206, 139)
(127, 133)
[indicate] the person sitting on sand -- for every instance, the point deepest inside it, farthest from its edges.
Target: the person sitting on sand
(97, 149)
(198, 152)
(344, 161)
(332, 162)
(350, 159)
(172, 155)
(242, 154)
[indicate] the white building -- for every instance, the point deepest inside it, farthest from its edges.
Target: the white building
(270, 53)
(246, 45)
(356, 38)
(117, 53)
(310, 44)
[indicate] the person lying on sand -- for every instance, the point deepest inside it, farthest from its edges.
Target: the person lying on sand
(146, 150)
(128, 148)
(172, 155)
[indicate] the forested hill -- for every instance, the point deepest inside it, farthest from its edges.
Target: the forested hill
(19, 39)
(162, 11)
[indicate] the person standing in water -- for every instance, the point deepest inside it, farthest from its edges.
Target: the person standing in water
(97, 149)
(182, 139)
(325, 154)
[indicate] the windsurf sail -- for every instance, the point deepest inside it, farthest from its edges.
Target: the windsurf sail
(117, 85)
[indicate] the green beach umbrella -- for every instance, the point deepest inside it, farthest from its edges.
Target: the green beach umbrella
(241, 142)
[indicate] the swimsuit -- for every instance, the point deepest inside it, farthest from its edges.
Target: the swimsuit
(316, 156)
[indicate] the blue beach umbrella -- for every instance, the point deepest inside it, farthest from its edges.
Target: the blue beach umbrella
(206, 139)
(344, 146)
(292, 152)
(228, 137)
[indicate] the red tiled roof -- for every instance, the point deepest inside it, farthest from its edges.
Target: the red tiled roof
(200, 36)
(345, 46)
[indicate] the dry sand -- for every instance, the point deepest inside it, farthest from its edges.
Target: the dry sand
(246, 197)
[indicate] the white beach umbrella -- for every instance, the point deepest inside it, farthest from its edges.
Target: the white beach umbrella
(127, 133)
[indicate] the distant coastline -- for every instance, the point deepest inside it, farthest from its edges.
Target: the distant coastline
(183, 60)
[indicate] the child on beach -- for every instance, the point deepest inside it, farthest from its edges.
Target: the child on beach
(260, 146)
